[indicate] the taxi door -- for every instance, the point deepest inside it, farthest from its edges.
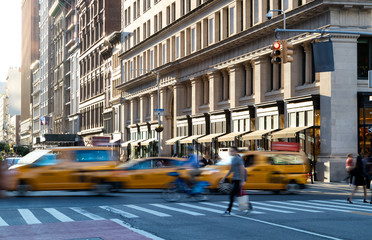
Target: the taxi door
(159, 177)
(259, 169)
(137, 175)
(49, 174)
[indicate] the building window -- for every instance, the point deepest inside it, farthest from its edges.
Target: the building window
(211, 31)
(232, 20)
(152, 59)
(193, 39)
(364, 57)
(177, 47)
(164, 54)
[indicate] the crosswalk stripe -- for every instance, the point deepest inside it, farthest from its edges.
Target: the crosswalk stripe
(292, 208)
(3, 223)
(28, 216)
(57, 214)
(200, 208)
(354, 202)
(348, 208)
(353, 206)
(118, 211)
(87, 214)
(178, 210)
(271, 210)
(234, 208)
(156, 213)
(313, 207)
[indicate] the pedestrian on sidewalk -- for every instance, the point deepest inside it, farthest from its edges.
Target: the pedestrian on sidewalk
(358, 174)
(238, 171)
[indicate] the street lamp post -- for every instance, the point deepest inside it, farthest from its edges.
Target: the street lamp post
(159, 122)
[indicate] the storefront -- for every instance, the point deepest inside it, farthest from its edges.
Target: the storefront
(365, 123)
(149, 146)
(242, 122)
(183, 124)
(269, 118)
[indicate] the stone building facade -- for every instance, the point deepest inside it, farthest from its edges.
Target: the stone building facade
(97, 20)
(218, 86)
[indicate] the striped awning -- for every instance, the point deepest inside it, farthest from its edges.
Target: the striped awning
(256, 135)
(209, 138)
(229, 137)
(148, 141)
(288, 132)
(125, 144)
(173, 140)
(190, 139)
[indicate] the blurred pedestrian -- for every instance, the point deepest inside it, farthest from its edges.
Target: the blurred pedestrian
(368, 171)
(192, 163)
(358, 174)
(349, 166)
(238, 171)
(3, 179)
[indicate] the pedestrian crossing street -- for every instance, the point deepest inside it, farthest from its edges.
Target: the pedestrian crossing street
(167, 210)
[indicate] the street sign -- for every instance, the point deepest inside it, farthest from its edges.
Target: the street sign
(159, 111)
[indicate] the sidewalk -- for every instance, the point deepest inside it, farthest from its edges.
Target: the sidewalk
(88, 230)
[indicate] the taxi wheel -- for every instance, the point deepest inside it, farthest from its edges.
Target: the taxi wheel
(225, 188)
(292, 187)
(102, 188)
(23, 188)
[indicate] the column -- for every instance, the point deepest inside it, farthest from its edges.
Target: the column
(125, 114)
(289, 80)
(261, 76)
(214, 90)
(153, 105)
(178, 99)
(309, 65)
(338, 110)
(225, 81)
(132, 113)
(206, 90)
(196, 95)
(248, 70)
(142, 109)
(236, 84)
(166, 120)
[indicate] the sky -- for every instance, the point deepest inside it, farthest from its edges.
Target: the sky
(10, 39)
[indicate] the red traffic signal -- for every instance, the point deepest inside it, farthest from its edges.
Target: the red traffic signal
(277, 52)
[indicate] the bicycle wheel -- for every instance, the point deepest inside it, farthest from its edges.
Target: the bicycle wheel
(171, 193)
(203, 196)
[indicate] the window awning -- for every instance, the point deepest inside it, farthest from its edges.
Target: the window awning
(190, 139)
(209, 138)
(148, 141)
(135, 143)
(125, 144)
(256, 135)
(229, 137)
(288, 132)
(173, 140)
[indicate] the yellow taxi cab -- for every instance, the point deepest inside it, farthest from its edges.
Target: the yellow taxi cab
(68, 168)
(267, 170)
(146, 173)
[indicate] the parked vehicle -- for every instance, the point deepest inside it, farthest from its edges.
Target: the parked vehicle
(69, 168)
(267, 170)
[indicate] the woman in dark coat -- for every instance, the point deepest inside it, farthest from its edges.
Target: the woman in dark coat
(359, 179)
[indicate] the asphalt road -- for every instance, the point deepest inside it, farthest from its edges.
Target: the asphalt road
(319, 212)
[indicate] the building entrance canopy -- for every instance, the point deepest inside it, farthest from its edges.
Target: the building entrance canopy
(148, 141)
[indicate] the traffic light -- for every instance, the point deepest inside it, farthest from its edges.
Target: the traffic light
(287, 52)
(277, 52)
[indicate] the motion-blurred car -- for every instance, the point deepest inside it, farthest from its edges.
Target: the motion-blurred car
(12, 161)
(267, 170)
(146, 173)
(69, 168)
